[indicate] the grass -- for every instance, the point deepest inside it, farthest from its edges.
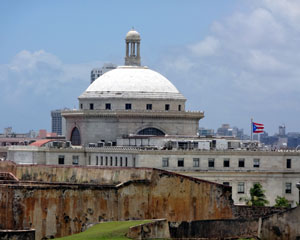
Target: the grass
(106, 230)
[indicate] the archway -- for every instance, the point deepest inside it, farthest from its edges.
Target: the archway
(151, 131)
(75, 136)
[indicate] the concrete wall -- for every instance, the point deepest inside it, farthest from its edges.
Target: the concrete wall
(282, 226)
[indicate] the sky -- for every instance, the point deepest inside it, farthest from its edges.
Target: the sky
(234, 60)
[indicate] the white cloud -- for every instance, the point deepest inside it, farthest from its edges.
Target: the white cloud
(247, 64)
(34, 83)
(207, 47)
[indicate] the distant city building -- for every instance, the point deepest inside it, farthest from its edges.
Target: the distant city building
(58, 123)
(226, 131)
(97, 72)
(281, 130)
(206, 132)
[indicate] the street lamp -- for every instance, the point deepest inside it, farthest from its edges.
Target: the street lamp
(298, 186)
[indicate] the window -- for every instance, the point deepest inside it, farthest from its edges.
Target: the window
(289, 163)
(256, 162)
(149, 106)
(97, 160)
(81, 106)
(61, 159)
(151, 131)
(241, 162)
(89, 160)
(126, 161)
(106, 161)
(211, 162)
(196, 162)
(226, 162)
(226, 183)
(91, 106)
(116, 161)
(107, 106)
(121, 161)
(241, 187)
(167, 107)
(288, 187)
(75, 160)
(101, 160)
(165, 162)
(180, 162)
(75, 137)
(111, 161)
(179, 107)
(128, 106)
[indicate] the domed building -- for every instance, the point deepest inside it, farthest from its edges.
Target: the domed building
(130, 100)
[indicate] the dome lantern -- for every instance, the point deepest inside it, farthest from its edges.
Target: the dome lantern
(133, 40)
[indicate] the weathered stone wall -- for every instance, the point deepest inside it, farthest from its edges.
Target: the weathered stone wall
(59, 209)
(55, 210)
(214, 229)
(17, 234)
(75, 174)
(156, 229)
(282, 226)
(251, 212)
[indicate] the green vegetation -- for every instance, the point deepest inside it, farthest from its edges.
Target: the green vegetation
(282, 202)
(106, 230)
(258, 197)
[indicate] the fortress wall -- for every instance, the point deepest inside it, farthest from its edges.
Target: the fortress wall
(55, 210)
(176, 198)
(60, 209)
(75, 174)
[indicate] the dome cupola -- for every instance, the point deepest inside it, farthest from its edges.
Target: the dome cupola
(133, 40)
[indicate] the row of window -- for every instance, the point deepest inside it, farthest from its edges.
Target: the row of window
(226, 162)
(103, 161)
(110, 161)
(241, 187)
(128, 106)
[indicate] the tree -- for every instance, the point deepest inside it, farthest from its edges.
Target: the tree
(258, 197)
(282, 202)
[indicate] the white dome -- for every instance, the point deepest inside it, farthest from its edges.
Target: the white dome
(133, 35)
(133, 82)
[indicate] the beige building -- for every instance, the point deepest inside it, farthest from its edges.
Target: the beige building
(130, 100)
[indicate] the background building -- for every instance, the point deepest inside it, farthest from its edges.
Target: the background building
(58, 123)
(97, 72)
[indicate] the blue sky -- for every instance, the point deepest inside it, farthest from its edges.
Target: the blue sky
(233, 59)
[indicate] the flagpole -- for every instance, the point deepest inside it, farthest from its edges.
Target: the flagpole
(251, 129)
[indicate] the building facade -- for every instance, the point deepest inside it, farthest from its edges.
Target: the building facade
(130, 100)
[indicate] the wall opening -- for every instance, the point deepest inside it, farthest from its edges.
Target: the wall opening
(75, 137)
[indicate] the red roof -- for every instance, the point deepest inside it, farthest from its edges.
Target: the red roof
(40, 143)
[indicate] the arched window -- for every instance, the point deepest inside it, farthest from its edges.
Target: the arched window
(151, 131)
(75, 136)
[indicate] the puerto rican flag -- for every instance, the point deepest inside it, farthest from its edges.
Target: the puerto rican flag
(257, 127)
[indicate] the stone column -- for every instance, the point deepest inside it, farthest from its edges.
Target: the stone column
(131, 52)
(133, 48)
(138, 49)
(127, 49)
